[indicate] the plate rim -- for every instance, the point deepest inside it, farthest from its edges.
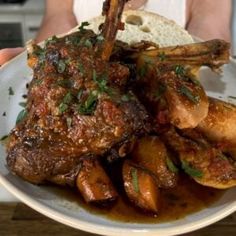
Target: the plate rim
(114, 230)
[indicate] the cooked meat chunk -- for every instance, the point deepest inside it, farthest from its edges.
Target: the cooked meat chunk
(167, 85)
(219, 125)
(74, 110)
(204, 163)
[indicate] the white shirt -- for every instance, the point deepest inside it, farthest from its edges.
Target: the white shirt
(172, 9)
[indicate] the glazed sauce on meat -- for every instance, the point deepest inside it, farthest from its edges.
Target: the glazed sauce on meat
(186, 198)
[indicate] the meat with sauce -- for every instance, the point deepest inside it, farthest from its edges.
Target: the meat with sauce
(93, 100)
(75, 108)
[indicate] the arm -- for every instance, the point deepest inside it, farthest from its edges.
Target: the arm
(210, 19)
(58, 19)
(8, 53)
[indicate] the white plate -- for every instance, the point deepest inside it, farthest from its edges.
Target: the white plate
(15, 74)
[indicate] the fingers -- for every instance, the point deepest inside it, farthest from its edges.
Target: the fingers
(8, 53)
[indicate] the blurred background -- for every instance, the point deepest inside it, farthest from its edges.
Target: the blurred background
(20, 21)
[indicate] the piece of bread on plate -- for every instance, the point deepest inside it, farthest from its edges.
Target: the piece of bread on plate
(143, 25)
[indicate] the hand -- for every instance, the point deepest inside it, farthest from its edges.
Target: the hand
(8, 53)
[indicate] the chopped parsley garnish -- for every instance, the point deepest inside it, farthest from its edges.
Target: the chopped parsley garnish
(61, 66)
(41, 54)
(69, 122)
(62, 108)
(4, 137)
(88, 43)
(180, 70)
(22, 104)
(83, 25)
(134, 175)
(101, 82)
(79, 94)
(188, 93)
(171, 166)
(89, 106)
(161, 90)
(74, 40)
(21, 116)
(190, 170)
(100, 38)
(162, 56)
(51, 40)
(186, 75)
(232, 97)
(64, 105)
(10, 91)
(68, 98)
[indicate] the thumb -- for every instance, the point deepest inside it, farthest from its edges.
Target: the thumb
(8, 53)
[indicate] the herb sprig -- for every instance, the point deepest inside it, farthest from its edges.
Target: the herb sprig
(40, 53)
(180, 70)
(11, 91)
(61, 66)
(171, 166)
(89, 105)
(64, 105)
(188, 93)
(134, 175)
(162, 56)
(3, 138)
(101, 82)
(190, 170)
(21, 116)
(82, 26)
(51, 40)
(23, 104)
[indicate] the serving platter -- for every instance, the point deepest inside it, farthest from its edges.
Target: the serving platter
(13, 78)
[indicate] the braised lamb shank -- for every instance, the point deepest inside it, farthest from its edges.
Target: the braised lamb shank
(78, 108)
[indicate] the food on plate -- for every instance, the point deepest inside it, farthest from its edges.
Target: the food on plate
(94, 184)
(219, 126)
(205, 163)
(156, 160)
(96, 103)
(141, 187)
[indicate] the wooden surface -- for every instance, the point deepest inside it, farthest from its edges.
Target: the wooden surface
(16, 219)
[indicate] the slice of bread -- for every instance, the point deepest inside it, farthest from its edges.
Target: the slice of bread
(143, 25)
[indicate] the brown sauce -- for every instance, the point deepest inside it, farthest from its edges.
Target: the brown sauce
(186, 198)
